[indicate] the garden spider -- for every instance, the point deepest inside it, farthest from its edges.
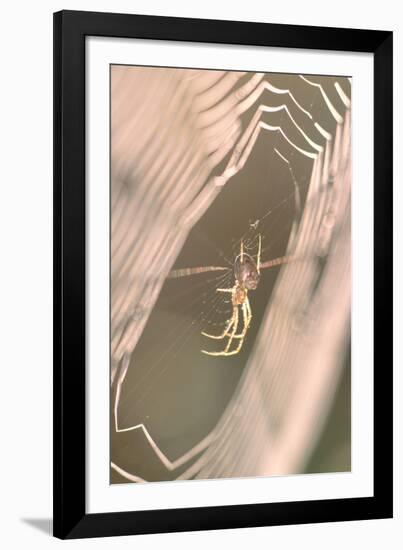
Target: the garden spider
(247, 276)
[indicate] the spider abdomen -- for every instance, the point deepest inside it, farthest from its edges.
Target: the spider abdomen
(246, 272)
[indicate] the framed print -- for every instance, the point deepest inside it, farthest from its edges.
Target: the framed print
(223, 274)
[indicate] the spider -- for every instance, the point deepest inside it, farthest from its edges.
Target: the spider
(247, 275)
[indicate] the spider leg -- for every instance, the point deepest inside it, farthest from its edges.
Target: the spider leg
(234, 329)
(230, 330)
(229, 323)
(249, 311)
(258, 254)
(234, 323)
(247, 316)
(225, 331)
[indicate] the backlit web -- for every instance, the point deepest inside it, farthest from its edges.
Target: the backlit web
(202, 160)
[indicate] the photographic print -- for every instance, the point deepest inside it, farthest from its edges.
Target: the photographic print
(222, 353)
(230, 285)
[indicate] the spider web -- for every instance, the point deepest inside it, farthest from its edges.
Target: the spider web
(202, 160)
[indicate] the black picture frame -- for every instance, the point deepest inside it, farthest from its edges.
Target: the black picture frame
(70, 517)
